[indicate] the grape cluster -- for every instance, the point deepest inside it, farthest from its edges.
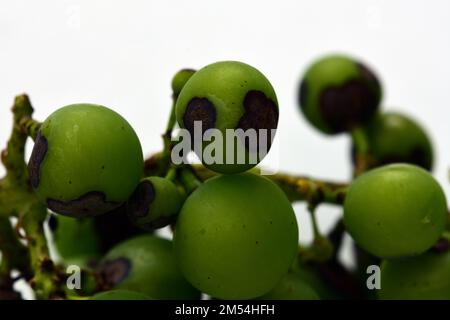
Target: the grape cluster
(235, 233)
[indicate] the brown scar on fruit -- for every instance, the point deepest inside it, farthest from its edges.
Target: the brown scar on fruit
(199, 109)
(350, 104)
(37, 156)
(140, 201)
(260, 113)
(89, 204)
(113, 272)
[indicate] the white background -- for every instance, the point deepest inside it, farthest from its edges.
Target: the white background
(122, 54)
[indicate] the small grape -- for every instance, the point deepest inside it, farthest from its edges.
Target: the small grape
(229, 95)
(425, 277)
(236, 236)
(87, 160)
(395, 211)
(338, 93)
(291, 287)
(146, 264)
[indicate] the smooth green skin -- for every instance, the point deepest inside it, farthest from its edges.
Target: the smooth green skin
(225, 84)
(332, 70)
(167, 202)
(90, 148)
(311, 277)
(291, 287)
(236, 236)
(154, 271)
(120, 295)
(180, 79)
(393, 135)
(395, 211)
(426, 277)
(76, 239)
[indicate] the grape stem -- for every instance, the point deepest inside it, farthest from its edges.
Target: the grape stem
(17, 199)
(362, 151)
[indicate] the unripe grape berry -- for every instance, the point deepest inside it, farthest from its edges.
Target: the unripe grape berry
(75, 239)
(425, 277)
(395, 138)
(338, 93)
(236, 236)
(180, 79)
(146, 264)
(87, 160)
(395, 211)
(291, 287)
(230, 95)
(120, 295)
(155, 203)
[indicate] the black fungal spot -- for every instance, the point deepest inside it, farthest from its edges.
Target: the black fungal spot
(354, 102)
(199, 109)
(37, 156)
(260, 113)
(302, 93)
(53, 222)
(103, 167)
(90, 204)
(114, 272)
(140, 201)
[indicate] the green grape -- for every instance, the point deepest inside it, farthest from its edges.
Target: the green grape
(155, 203)
(87, 160)
(236, 236)
(396, 210)
(146, 264)
(425, 277)
(120, 295)
(395, 138)
(180, 79)
(338, 93)
(291, 287)
(309, 275)
(229, 95)
(76, 240)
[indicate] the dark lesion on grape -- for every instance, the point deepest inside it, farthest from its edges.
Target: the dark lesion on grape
(260, 113)
(352, 103)
(90, 204)
(37, 156)
(113, 272)
(140, 201)
(200, 109)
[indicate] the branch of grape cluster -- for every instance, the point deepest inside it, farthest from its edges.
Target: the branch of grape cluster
(17, 199)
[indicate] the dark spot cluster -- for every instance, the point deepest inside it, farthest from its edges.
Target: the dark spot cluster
(37, 156)
(140, 201)
(200, 109)
(260, 113)
(352, 103)
(113, 272)
(90, 204)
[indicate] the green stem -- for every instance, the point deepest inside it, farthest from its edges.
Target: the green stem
(362, 151)
(46, 282)
(188, 179)
(14, 254)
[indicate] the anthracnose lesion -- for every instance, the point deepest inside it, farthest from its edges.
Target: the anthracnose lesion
(90, 204)
(139, 203)
(113, 272)
(200, 109)
(260, 113)
(37, 156)
(352, 103)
